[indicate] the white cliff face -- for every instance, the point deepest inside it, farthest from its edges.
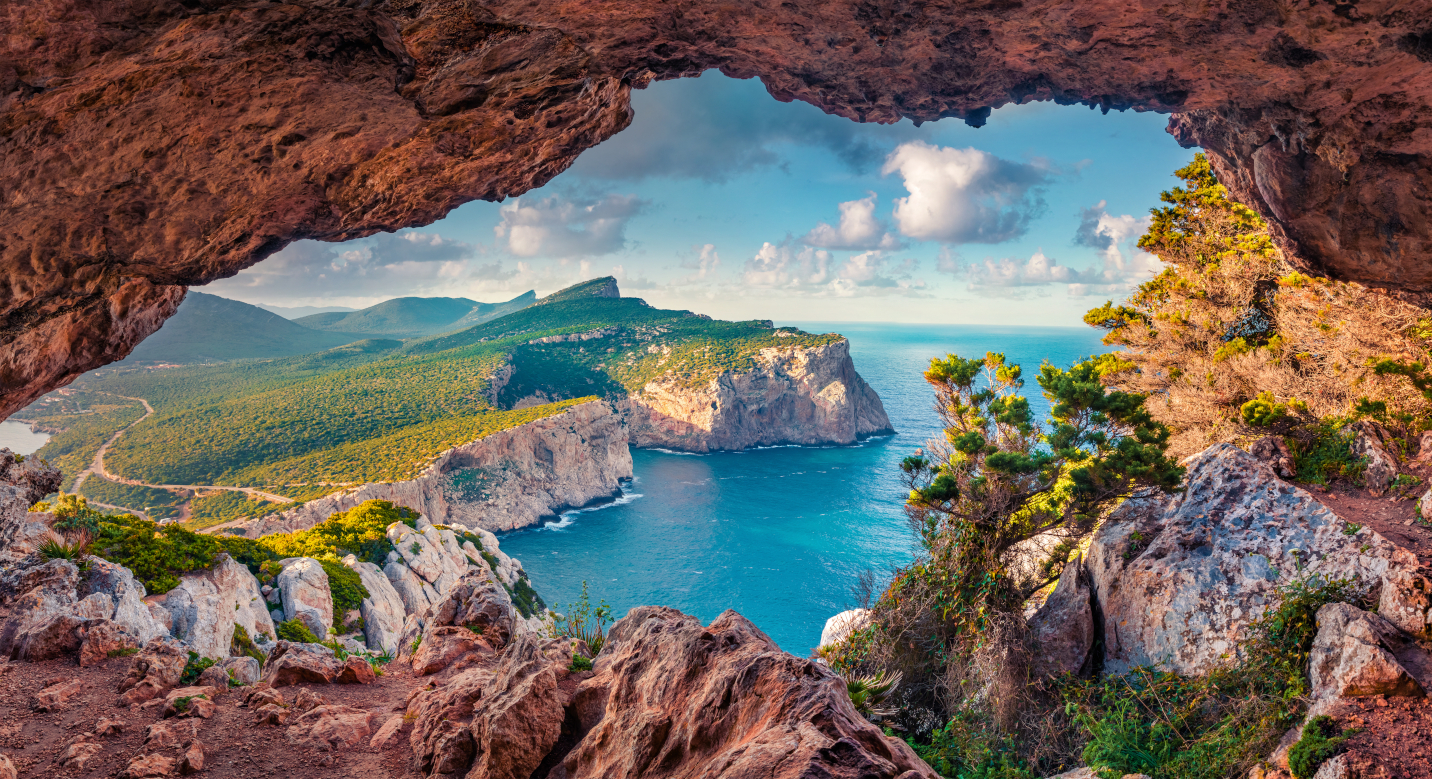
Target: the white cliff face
(207, 604)
(504, 481)
(798, 395)
(383, 610)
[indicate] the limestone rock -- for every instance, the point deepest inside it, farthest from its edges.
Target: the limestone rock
(442, 646)
(103, 640)
(1274, 451)
(306, 596)
(758, 711)
(1373, 443)
(1063, 628)
(1406, 601)
(1351, 657)
(207, 605)
(292, 663)
(214, 676)
(479, 603)
(840, 626)
(534, 470)
(383, 610)
(244, 670)
(417, 595)
(333, 727)
(793, 395)
(131, 613)
(1178, 578)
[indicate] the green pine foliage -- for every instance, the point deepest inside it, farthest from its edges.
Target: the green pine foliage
(346, 587)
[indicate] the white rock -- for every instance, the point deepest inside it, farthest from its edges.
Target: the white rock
(1179, 578)
(130, 611)
(1351, 656)
(840, 626)
(207, 604)
(1406, 601)
(383, 609)
(245, 669)
(306, 595)
(416, 594)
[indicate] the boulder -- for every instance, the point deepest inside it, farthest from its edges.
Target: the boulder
(193, 760)
(1352, 656)
(388, 733)
(147, 766)
(478, 602)
(156, 668)
(215, 676)
(1062, 630)
(664, 682)
(292, 663)
(303, 585)
(196, 701)
(1374, 444)
(131, 613)
(333, 727)
(1274, 451)
(444, 645)
(840, 626)
(79, 756)
(243, 670)
(206, 605)
(102, 640)
(356, 670)
(1179, 578)
(54, 694)
(43, 621)
(170, 734)
(7, 768)
(417, 595)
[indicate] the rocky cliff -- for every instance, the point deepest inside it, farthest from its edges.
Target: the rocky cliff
(795, 396)
(504, 481)
(149, 146)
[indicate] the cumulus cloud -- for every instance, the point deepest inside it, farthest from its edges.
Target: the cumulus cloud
(560, 227)
(705, 263)
(858, 229)
(1114, 237)
(786, 266)
(715, 128)
(382, 266)
(962, 196)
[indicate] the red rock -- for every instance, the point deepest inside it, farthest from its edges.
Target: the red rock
(356, 670)
(333, 727)
(291, 663)
(79, 756)
(103, 640)
(170, 734)
(388, 734)
(1317, 117)
(53, 695)
(148, 766)
(108, 726)
(693, 701)
(7, 768)
(443, 646)
(193, 761)
(155, 669)
(190, 702)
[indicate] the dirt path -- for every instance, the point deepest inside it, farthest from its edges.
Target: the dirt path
(97, 466)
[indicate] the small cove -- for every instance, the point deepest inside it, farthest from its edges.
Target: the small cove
(779, 534)
(18, 438)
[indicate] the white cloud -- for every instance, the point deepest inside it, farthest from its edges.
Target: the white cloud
(858, 229)
(1125, 264)
(705, 263)
(1011, 272)
(782, 266)
(558, 227)
(964, 195)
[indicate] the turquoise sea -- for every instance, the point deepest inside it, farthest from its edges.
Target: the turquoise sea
(780, 534)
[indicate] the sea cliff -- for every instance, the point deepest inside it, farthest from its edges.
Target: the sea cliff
(797, 395)
(503, 481)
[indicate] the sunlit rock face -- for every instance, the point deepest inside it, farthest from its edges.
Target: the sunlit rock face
(150, 145)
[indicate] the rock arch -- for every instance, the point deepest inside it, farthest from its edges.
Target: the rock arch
(148, 145)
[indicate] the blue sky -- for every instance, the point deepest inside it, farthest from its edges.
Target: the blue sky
(721, 200)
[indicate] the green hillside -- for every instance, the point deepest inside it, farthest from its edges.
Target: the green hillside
(414, 317)
(208, 328)
(381, 410)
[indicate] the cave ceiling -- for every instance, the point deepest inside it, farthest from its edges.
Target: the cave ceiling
(150, 145)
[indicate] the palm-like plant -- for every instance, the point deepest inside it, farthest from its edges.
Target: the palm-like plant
(870, 691)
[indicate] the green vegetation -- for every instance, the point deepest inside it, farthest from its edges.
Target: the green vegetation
(584, 622)
(580, 663)
(242, 645)
(414, 317)
(295, 631)
(61, 549)
(347, 588)
(526, 599)
(223, 506)
(80, 423)
(155, 503)
(1322, 739)
(195, 666)
(361, 531)
(72, 513)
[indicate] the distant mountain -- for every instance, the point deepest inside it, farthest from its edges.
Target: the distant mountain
(294, 312)
(414, 317)
(208, 328)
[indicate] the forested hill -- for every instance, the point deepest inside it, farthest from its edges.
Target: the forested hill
(208, 328)
(414, 317)
(381, 410)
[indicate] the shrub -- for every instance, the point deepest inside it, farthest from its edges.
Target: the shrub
(580, 663)
(1322, 452)
(361, 531)
(346, 587)
(1321, 740)
(157, 556)
(584, 622)
(295, 631)
(72, 513)
(526, 599)
(55, 548)
(1263, 411)
(242, 645)
(195, 666)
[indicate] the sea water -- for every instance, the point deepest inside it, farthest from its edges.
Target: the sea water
(20, 439)
(781, 534)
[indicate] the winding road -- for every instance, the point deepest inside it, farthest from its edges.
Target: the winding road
(97, 466)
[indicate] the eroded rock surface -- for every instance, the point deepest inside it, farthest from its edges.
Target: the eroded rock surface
(1179, 578)
(794, 396)
(208, 604)
(241, 134)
